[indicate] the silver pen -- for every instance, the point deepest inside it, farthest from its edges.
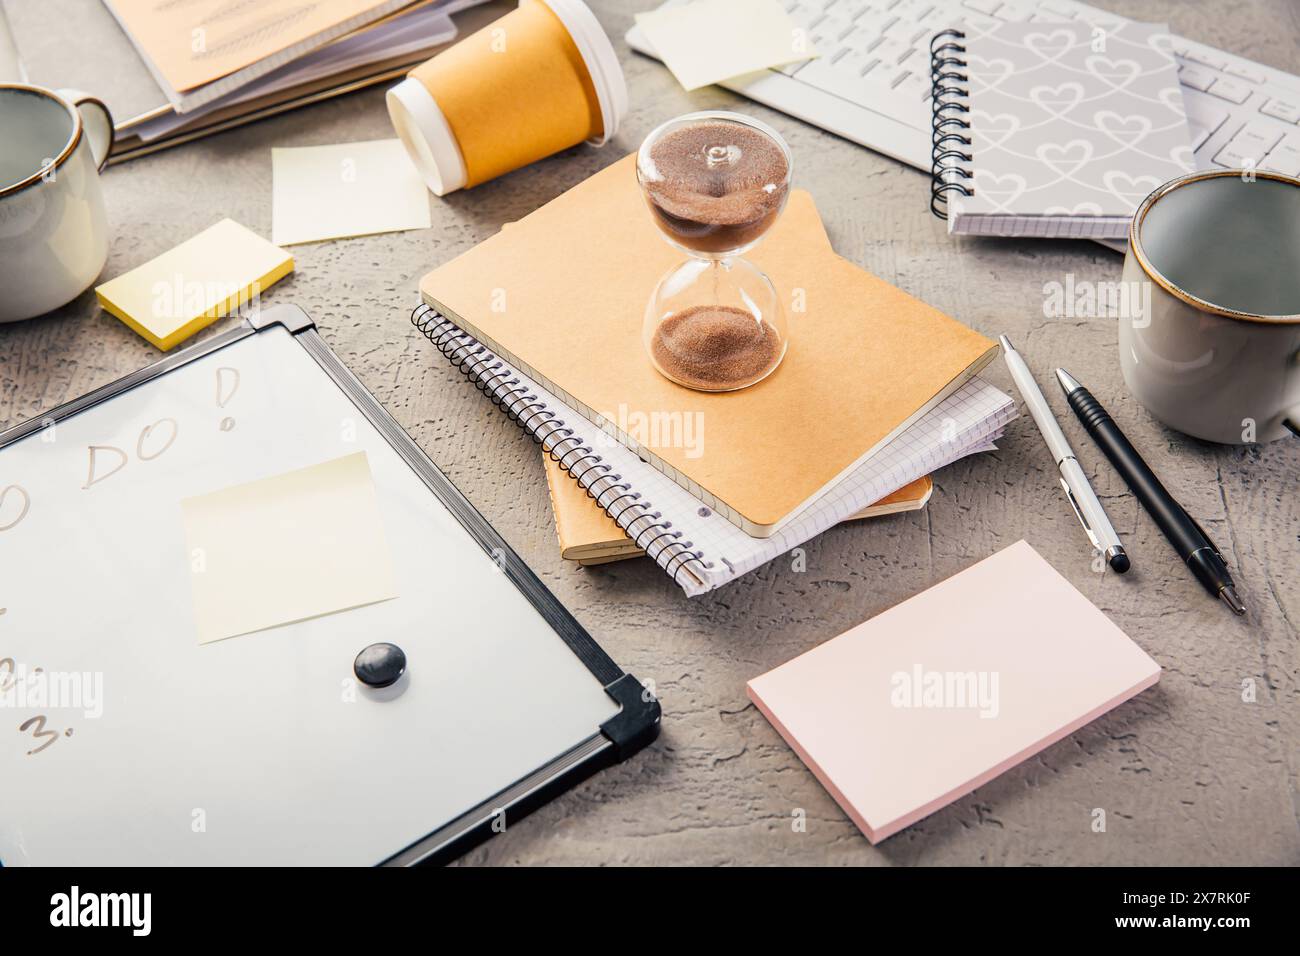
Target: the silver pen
(1077, 490)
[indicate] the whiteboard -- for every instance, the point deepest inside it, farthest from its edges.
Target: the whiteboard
(261, 749)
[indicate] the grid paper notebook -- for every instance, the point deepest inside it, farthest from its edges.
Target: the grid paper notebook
(699, 548)
(1054, 129)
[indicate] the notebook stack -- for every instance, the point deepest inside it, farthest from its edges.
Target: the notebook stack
(590, 536)
(189, 69)
(877, 391)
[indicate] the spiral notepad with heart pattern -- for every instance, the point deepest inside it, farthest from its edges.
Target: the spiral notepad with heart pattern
(1054, 129)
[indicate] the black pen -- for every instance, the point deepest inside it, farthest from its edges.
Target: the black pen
(1191, 543)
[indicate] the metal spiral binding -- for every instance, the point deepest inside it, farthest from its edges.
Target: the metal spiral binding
(951, 140)
(495, 379)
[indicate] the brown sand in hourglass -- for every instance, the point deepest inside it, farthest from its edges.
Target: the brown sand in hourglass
(715, 347)
(718, 186)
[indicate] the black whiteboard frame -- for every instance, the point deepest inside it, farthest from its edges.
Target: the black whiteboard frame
(636, 724)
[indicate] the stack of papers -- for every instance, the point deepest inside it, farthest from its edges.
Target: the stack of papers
(204, 49)
(410, 34)
(182, 70)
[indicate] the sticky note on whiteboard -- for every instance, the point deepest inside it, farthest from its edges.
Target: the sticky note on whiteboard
(186, 289)
(287, 548)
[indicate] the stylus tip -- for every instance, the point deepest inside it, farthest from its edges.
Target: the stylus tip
(1229, 596)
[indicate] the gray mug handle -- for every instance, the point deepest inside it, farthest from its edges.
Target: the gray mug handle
(97, 121)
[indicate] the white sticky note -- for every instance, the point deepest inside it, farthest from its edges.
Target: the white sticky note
(287, 548)
(707, 41)
(349, 189)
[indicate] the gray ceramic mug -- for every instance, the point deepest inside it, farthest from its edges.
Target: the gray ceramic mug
(1215, 350)
(53, 231)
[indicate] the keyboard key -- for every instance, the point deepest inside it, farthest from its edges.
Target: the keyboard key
(1245, 72)
(1062, 11)
(916, 86)
(1204, 117)
(1099, 18)
(1261, 134)
(1249, 146)
(1205, 57)
(875, 22)
(862, 38)
(1204, 111)
(913, 9)
(986, 7)
(978, 22)
(1197, 77)
(1230, 159)
(847, 9)
(828, 33)
(1234, 91)
(857, 62)
(890, 51)
(1284, 110)
(1015, 11)
(1284, 157)
(805, 14)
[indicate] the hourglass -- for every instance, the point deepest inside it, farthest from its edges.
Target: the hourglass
(715, 182)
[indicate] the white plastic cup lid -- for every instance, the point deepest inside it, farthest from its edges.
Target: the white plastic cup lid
(428, 138)
(601, 60)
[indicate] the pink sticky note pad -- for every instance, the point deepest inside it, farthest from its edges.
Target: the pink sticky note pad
(927, 701)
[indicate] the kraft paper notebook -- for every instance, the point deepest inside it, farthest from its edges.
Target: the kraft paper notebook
(560, 296)
(935, 697)
(589, 536)
(1055, 129)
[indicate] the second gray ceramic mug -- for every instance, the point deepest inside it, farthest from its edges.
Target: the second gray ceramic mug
(1215, 351)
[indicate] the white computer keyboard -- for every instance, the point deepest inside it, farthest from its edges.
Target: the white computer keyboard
(871, 82)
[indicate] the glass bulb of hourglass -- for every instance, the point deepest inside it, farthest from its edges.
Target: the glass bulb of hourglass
(715, 183)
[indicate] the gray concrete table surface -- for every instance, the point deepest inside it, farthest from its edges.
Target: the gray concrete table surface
(1187, 773)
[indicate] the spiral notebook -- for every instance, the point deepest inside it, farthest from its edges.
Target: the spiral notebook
(561, 296)
(587, 535)
(1054, 129)
(695, 545)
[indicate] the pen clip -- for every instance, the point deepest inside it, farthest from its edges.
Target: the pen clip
(1069, 496)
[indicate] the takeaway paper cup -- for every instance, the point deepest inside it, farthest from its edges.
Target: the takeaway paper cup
(540, 79)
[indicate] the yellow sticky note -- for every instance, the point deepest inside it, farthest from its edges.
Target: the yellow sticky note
(287, 548)
(187, 288)
(349, 189)
(707, 41)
